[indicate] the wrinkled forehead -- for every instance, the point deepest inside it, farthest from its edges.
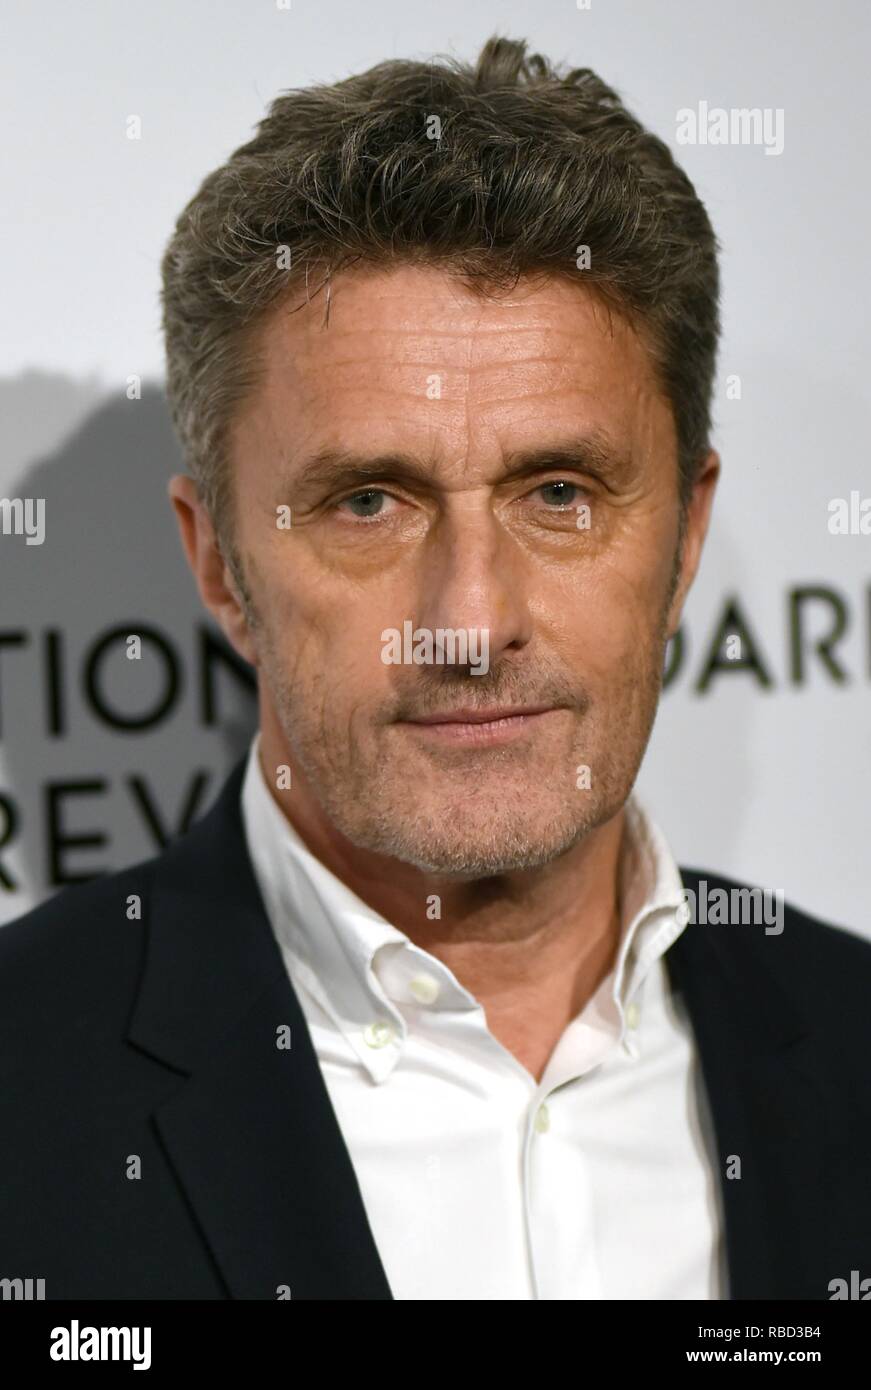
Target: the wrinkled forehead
(412, 355)
(421, 315)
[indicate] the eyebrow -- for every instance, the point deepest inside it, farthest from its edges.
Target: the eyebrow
(330, 468)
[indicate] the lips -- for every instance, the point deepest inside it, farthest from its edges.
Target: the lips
(481, 716)
(478, 729)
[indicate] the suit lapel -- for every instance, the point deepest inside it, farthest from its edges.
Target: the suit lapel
(769, 1103)
(253, 1139)
(250, 1132)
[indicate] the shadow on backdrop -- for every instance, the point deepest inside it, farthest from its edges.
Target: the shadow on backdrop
(102, 757)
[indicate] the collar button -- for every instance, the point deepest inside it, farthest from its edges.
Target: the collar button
(378, 1034)
(425, 988)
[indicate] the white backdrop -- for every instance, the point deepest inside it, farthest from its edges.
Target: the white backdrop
(766, 783)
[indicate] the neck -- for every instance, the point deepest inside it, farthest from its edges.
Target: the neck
(532, 946)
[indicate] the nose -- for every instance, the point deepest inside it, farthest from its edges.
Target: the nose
(473, 576)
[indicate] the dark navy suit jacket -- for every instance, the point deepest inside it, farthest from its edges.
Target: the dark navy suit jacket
(147, 1044)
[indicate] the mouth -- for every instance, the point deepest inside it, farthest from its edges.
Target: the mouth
(479, 727)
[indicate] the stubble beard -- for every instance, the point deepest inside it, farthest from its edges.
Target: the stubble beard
(377, 807)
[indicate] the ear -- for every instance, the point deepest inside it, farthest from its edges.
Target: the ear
(213, 576)
(697, 519)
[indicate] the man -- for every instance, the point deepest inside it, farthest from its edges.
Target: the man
(417, 1010)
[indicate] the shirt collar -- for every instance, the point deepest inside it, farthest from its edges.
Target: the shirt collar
(650, 894)
(327, 934)
(331, 938)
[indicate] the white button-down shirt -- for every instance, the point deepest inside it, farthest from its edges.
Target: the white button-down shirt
(598, 1182)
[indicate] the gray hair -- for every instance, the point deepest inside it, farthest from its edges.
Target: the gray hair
(490, 170)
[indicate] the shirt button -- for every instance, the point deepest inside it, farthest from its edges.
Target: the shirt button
(425, 988)
(378, 1034)
(542, 1119)
(633, 1013)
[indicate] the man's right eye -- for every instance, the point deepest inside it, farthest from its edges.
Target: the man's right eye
(365, 504)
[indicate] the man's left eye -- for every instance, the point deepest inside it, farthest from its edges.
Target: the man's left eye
(559, 493)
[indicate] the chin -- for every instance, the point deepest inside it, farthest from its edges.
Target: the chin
(442, 840)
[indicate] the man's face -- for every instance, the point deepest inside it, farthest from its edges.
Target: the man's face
(460, 411)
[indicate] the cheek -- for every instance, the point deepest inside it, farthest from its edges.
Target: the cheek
(331, 638)
(606, 616)
(611, 647)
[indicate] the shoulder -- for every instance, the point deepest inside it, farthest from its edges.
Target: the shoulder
(805, 951)
(83, 943)
(92, 929)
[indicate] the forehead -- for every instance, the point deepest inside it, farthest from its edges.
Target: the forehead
(412, 351)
